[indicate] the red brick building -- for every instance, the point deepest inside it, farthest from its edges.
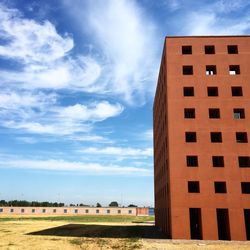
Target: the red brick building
(201, 130)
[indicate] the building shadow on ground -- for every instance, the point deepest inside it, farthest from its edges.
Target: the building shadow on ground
(102, 231)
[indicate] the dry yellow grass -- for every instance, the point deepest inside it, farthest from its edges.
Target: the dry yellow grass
(15, 235)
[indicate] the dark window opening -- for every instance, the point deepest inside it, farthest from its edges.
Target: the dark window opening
(212, 91)
(44, 210)
(65, 211)
(245, 187)
(192, 161)
(108, 211)
(130, 211)
(187, 70)
(12, 210)
(195, 223)
(22, 210)
(76, 211)
(209, 49)
(237, 91)
(223, 224)
(241, 137)
(190, 136)
(247, 222)
(216, 137)
(214, 113)
(186, 50)
(119, 211)
(97, 211)
(244, 161)
(54, 210)
(232, 49)
(218, 161)
(188, 91)
(234, 69)
(193, 187)
(239, 113)
(33, 210)
(211, 70)
(189, 113)
(86, 211)
(220, 187)
(1, 210)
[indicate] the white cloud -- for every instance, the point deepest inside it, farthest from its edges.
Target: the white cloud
(30, 41)
(214, 18)
(119, 151)
(125, 37)
(207, 23)
(76, 167)
(40, 113)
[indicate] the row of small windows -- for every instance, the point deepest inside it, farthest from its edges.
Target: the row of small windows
(213, 113)
(209, 49)
(217, 161)
(216, 137)
(213, 91)
(65, 211)
(219, 187)
(211, 70)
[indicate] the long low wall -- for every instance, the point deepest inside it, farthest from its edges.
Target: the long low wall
(73, 211)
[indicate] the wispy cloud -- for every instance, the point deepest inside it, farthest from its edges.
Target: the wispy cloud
(125, 37)
(40, 113)
(74, 167)
(119, 152)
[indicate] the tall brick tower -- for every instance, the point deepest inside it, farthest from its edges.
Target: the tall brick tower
(201, 128)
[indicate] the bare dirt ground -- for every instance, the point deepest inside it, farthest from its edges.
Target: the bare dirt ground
(61, 235)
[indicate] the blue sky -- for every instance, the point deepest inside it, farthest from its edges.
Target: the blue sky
(77, 82)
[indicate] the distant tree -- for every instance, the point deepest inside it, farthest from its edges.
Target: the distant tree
(113, 204)
(132, 205)
(98, 204)
(72, 205)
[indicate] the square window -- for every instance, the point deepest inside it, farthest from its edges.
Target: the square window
(232, 49)
(12, 210)
(33, 210)
(234, 69)
(214, 113)
(220, 187)
(190, 136)
(188, 91)
(186, 50)
(97, 211)
(193, 187)
(244, 161)
(189, 113)
(218, 161)
(119, 211)
(44, 211)
(211, 70)
(212, 91)
(54, 210)
(239, 114)
(86, 211)
(65, 211)
(76, 211)
(245, 187)
(108, 211)
(237, 91)
(216, 137)
(187, 70)
(1, 210)
(241, 137)
(209, 49)
(130, 211)
(22, 210)
(192, 160)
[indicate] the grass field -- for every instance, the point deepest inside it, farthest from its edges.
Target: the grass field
(93, 233)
